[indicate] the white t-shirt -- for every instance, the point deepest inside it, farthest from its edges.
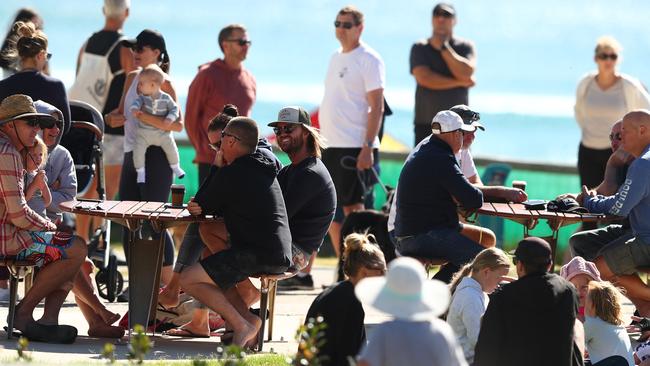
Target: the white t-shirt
(467, 167)
(602, 109)
(343, 113)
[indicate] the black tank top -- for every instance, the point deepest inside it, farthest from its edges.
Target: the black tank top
(99, 43)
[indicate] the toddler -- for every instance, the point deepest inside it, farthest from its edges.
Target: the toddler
(37, 193)
(156, 102)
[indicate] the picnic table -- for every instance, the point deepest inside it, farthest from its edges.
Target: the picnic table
(517, 212)
(144, 256)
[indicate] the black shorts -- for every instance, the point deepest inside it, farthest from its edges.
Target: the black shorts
(231, 266)
(348, 184)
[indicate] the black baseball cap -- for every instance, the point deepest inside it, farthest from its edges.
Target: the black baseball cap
(147, 37)
(533, 250)
(469, 116)
(444, 7)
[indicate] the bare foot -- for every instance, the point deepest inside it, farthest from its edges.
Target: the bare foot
(108, 316)
(247, 333)
(169, 298)
(21, 320)
(105, 331)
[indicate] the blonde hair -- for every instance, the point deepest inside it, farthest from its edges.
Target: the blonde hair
(360, 252)
(26, 152)
(29, 42)
(315, 142)
(492, 258)
(357, 15)
(608, 42)
(154, 72)
(606, 300)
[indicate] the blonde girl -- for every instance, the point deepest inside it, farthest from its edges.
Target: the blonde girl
(37, 193)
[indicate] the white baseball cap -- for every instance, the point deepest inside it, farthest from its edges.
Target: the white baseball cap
(449, 121)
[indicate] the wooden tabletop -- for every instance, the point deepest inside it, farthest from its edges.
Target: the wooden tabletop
(517, 212)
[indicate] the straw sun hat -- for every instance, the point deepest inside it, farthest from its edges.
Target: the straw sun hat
(405, 292)
(19, 106)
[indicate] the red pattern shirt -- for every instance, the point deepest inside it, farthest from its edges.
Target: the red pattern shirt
(16, 218)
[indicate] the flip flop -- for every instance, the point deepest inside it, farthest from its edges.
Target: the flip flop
(186, 333)
(227, 337)
(65, 334)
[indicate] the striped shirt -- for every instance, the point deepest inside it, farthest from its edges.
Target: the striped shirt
(16, 218)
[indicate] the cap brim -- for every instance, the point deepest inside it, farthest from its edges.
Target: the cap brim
(129, 42)
(478, 124)
(273, 124)
(468, 128)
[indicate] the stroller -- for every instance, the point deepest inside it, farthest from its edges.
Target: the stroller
(84, 141)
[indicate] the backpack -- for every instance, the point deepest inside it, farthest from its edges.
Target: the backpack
(94, 78)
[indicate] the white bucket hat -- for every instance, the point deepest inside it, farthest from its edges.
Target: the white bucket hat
(405, 292)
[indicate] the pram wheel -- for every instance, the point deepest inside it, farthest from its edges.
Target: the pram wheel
(109, 280)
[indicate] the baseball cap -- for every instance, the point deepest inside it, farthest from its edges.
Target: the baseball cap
(449, 121)
(566, 204)
(292, 114)
(533, 250)
(448, 8)
(577, 266)
(469, 116)
(147, 37)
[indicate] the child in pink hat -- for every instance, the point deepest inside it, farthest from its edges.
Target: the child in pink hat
(580, 272)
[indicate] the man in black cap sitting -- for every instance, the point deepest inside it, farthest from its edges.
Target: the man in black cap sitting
(530, 321)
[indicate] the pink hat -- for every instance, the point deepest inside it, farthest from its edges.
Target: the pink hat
(579, 265)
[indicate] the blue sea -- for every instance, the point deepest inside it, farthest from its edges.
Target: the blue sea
(531, 55)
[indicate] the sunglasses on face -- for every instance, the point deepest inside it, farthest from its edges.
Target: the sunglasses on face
(278, 130)
(443, 14)
(40, 122)
(49, 56)
(242, 42)
(615, 136)
(344, 25)
(605, 56)
(224, 134)
(139, 48)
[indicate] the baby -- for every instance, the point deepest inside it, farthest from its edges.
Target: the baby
(37, 193)
(154, 101)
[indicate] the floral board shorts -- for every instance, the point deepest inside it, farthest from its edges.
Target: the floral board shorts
(48, 247)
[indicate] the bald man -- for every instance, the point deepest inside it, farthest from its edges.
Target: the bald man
(618, 261)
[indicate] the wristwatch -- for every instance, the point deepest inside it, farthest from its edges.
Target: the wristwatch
(369, 143)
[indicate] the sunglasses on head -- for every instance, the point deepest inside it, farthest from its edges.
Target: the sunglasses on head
(344, 25)
(242, 42)
(605, 56)
(286, 129)
(615, 136)
(442, 13)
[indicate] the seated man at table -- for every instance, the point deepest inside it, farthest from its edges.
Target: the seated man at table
(618, 261)
(255, 234)
(29, 236)
(430, 186)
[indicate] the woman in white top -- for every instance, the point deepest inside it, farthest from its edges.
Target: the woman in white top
(469, 289)
(602, 98)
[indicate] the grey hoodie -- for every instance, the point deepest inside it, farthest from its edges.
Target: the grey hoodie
(59, 168)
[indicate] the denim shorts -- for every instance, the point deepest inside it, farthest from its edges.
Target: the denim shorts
(444, 243)
(48, 246)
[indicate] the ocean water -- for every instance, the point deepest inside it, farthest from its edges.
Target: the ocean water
(530, 55)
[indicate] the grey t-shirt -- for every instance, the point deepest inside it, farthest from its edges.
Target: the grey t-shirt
(428, 102)
(402, 342)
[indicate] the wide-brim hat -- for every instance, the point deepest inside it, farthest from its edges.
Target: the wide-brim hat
(292, 114)
(405, 293)
(20, 106)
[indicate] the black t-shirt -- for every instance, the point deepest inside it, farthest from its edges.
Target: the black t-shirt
(428, 102)
(38, 86)
(248, 197)
(545, 306)
(98, 44)
(310, 198)
(429, 181)
(344, 316)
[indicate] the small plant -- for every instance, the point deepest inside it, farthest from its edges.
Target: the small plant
(109, 352)
(199, 362)
(232, 355)
(310, 339)
(139, 346)
(21, 348)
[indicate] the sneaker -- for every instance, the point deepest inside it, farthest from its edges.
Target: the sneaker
(296, 283)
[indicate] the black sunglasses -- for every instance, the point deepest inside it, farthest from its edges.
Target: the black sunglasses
(40, 122)
(443, 14)
(615, 136)
(224, 134)
(344, 25)
(605, 56)
(242, 42)
(49, 56)
(286, 129)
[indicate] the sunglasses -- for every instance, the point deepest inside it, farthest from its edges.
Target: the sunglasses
(242, 42)
(344, 25)
(615, 136)
(138, 48)
(443, 14)
(216, 145)
(40, 122)
(49, 56)
(224, 134)
(605, 56)
(278, 130)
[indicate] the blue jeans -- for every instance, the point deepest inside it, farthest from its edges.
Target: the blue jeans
(443, 243)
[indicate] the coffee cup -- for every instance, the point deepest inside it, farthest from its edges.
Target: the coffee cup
(521, 184)
(178, 194)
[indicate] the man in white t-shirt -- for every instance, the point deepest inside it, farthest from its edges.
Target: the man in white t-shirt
(351, 110)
